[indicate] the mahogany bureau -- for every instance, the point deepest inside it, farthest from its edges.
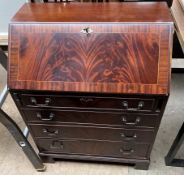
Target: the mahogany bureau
(91, 80)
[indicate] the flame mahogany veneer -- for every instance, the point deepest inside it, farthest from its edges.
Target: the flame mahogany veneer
(91, 80)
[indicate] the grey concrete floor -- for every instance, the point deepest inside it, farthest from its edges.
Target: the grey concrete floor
(14, 162)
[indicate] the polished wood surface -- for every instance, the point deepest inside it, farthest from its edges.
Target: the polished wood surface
(61, 124)
(64, 59)
(91, 133)
(89, 101)
(96, 118)
(94, 12)
(92, 90)
(101, 57)
(114, 58)
(95, 148)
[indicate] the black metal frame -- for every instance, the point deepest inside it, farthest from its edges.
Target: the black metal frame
(170, 158)
(177, 53)
(19, 136)
(3, 59)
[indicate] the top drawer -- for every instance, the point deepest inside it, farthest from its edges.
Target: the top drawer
(110, 103)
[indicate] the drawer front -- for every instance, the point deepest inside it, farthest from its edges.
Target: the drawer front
(91, 117)
(108, 103)
(94, 133)
(93, 148)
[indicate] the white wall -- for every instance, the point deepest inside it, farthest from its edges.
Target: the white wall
(7, 10)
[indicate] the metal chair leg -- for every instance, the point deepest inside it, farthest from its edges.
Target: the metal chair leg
(12, 127)
(21, 140)
(169, 159)
(3, 59)
(3, 95)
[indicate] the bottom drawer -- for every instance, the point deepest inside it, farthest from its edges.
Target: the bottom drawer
(94, 148)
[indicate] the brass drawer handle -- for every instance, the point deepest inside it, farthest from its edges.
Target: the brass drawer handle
(50, 133)
(34, 102)
(125, 104)
(126, 152)
(86, 100)
(49, 118)
(128, 137)
(125, 122)
(56, 144)
(139, 106)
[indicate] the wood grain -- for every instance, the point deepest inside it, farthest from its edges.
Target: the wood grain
(115, 58)
(94, 12)
(101, 57)
(91, 94)
(92, 118)
(95, 148)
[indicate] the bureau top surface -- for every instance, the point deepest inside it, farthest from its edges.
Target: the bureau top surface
(113, 58)
(94, 12)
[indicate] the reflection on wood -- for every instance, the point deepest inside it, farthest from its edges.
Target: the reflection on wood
(97, 58)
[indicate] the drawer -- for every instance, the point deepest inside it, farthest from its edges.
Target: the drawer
(108, 103)
(120, 119)
(93, 148)
(93, 133)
